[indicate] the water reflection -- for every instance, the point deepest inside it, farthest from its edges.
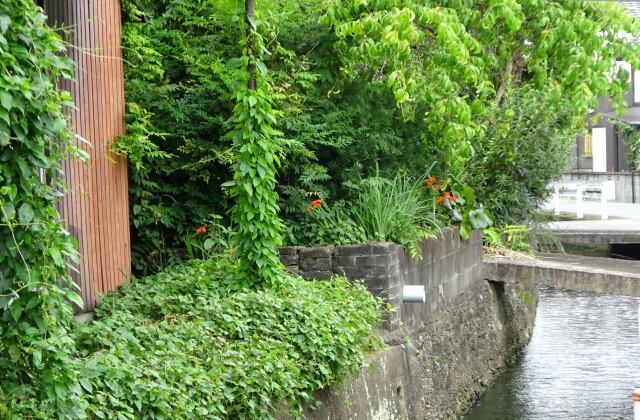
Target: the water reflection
(581, 363)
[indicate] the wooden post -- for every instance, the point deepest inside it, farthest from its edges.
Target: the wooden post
(95, 208)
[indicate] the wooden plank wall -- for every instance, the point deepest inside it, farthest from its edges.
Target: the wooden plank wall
(95, 207)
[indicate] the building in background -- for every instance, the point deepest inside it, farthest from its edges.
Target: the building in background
(601, 155)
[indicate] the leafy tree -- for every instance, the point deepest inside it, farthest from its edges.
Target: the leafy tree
(462, 61)
(457, 60)
(527, 145)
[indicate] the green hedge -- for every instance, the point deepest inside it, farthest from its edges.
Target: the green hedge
(177, 345)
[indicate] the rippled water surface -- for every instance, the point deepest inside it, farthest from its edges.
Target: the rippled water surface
(583, 361)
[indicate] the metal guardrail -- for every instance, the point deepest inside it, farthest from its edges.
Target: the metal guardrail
(606, 189)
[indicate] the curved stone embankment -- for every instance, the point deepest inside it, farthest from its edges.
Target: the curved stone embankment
(442, 354)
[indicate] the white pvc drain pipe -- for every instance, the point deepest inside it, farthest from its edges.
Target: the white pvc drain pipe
(414, 294)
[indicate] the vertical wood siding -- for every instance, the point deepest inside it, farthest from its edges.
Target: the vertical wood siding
(95, 207)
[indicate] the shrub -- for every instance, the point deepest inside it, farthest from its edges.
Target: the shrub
(527, 146)
(179, 345)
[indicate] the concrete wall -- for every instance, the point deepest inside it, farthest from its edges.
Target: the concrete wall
(440, 355)
(595, 240)
(449, 267)
(571, 272)
(623, 182)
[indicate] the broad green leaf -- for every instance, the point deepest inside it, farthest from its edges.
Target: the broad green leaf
(8, 211)
(25, 213)
(6, 100)
(16, 309)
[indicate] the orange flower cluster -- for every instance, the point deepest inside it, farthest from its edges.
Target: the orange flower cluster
(447, 196)
(314, 205)
(431, 183)
(201, 230)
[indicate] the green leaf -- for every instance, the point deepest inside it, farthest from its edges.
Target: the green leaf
(465, 231)
(14, 353)
(479, 220)
(4, 138)
(262, 68)
(8, 211)
(5, 22)
(25, 213)
(75, 298)
(16, 309)
(37, 357)
(86, 384)
(6, 100)
(233, 63)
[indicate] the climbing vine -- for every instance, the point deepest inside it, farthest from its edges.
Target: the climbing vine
(35, 250)
(256, 142)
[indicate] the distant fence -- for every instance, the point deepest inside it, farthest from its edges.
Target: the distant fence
(95, 208)
(627, 184)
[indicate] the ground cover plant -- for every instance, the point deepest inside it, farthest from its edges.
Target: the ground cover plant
(180, 345)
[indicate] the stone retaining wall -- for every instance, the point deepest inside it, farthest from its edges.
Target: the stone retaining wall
(440, 355)
(449, 267)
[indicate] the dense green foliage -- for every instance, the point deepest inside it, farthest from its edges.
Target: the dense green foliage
(526, 147)
(472, 70)
(179, 104)
(179, 345)
(35, 250)
(366, 89)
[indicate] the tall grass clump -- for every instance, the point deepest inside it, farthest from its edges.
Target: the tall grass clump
(395, 210)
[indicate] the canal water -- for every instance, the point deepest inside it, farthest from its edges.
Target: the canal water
(583, 361)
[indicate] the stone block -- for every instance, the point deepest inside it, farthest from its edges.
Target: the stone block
(340, 271)
(316, 252)
(344, 261)
(288, 255)
(374, 260)
(384, 248)
(353, 250)
(289, 260)
(316, 264)
(382, 282)
(288, 250)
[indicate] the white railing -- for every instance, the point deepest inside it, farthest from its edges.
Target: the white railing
(607, 192)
